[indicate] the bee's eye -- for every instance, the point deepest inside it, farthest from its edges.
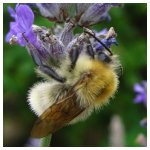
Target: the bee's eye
(103, 57)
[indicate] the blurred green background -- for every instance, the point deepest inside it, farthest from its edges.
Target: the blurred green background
(130, 23)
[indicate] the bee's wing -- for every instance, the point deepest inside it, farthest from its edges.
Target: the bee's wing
(56, 116)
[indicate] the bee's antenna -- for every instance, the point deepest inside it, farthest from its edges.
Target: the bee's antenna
(86, 30)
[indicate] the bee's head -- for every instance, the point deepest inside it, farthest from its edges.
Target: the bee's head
(104, 57)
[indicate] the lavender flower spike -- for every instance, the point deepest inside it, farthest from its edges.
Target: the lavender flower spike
(141, 90)
(24, 18)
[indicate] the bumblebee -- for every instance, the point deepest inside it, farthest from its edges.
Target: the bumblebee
(84, 81)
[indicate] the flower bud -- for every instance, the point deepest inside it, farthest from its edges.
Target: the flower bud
(50, 46)
(54, 11)
(67, 33)
(95, 13)
(81, 8)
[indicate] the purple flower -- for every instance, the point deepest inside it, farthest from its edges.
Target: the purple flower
(24, 18)
(141, 90)
(23, 32)
(107, 37)
(108, 42)
(85, 14)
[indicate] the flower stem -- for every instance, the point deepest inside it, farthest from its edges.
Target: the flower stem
(45, 141)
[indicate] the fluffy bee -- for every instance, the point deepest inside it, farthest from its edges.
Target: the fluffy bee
(85, 80)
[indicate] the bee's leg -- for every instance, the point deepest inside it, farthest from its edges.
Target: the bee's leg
(49, 71)
(37, 60)
(76, 49)
(74, 54)
(46, 69)
(89, 49)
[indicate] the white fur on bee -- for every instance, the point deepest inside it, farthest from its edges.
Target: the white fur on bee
(43, 95)
(82, 65)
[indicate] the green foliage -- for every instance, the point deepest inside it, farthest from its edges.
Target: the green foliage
(130, 24)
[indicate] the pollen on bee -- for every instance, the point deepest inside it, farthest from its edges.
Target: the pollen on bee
(98, 83)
